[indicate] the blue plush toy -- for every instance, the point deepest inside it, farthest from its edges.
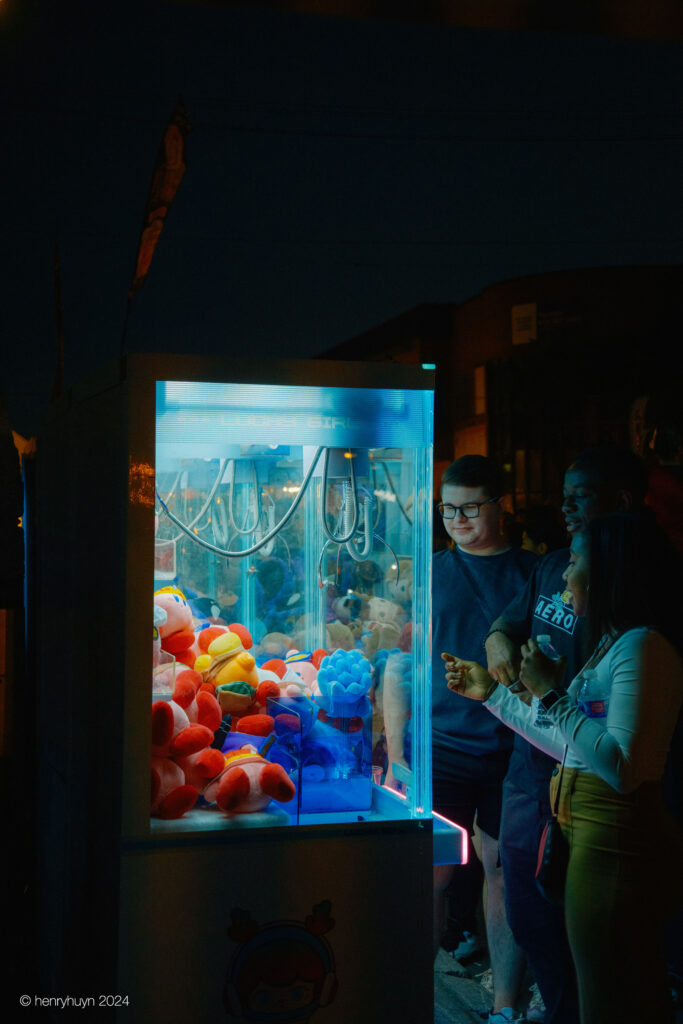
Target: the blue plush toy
(344, 679)
(325, 743)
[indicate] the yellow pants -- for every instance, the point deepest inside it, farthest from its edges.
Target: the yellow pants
(623, 881)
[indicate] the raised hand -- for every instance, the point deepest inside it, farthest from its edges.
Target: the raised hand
(468, 678)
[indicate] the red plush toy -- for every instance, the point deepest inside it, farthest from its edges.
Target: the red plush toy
(183, 760)
(248, 782)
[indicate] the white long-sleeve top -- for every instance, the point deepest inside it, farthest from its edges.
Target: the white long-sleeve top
(630, 745)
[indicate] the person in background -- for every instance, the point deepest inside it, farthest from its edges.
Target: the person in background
(665, 481)
(472, 581)
(542, 530)
(625, 851)
(599, 481)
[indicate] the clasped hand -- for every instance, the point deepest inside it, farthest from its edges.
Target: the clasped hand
(538, 673)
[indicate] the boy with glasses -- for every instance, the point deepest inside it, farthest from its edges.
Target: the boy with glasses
(472, 581)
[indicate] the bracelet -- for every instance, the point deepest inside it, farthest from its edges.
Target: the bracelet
(491, 691)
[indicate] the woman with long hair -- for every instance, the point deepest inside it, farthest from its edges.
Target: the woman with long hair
(625, 851)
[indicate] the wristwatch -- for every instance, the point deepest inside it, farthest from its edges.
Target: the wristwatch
(549, 698)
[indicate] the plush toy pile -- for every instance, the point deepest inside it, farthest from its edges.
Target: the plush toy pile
(238, 719)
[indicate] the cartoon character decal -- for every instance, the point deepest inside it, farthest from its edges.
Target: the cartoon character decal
(281, 972)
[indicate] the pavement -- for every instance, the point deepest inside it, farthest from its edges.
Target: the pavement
(457, 994)
(459, 998)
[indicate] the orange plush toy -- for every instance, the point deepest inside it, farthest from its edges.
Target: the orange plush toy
(183, 760)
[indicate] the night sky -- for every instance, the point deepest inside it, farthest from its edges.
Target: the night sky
(339, 172)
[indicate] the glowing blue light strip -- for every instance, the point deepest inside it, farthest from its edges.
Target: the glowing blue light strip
(190, 413)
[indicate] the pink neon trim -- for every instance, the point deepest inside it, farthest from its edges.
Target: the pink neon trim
(464, 846)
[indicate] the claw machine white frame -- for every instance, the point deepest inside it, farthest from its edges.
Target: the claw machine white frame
(319, 909)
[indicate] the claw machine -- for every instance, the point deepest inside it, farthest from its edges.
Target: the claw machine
(233, 696)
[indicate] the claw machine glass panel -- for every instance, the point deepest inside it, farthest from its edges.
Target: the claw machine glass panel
(291, 556)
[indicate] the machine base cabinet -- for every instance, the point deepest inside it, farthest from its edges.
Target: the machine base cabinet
(260, 930)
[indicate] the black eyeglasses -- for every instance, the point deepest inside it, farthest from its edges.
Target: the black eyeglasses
(470, 510)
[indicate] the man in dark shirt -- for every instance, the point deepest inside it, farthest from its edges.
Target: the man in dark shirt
(601, 480)
(472, 581)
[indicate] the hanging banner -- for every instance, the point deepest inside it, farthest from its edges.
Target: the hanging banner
(168, 173)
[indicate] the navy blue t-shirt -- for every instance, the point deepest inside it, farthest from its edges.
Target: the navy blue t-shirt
(539, 609)
(468, 592)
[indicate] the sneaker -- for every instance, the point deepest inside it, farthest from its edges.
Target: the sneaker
(460, 945)
(535, 1011)
(467, 947)
(506, 1016)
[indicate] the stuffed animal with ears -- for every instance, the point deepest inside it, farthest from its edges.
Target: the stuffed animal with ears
(274, 645)
(348, 610)
(382, 628)
(339, 635)
(400, 590)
